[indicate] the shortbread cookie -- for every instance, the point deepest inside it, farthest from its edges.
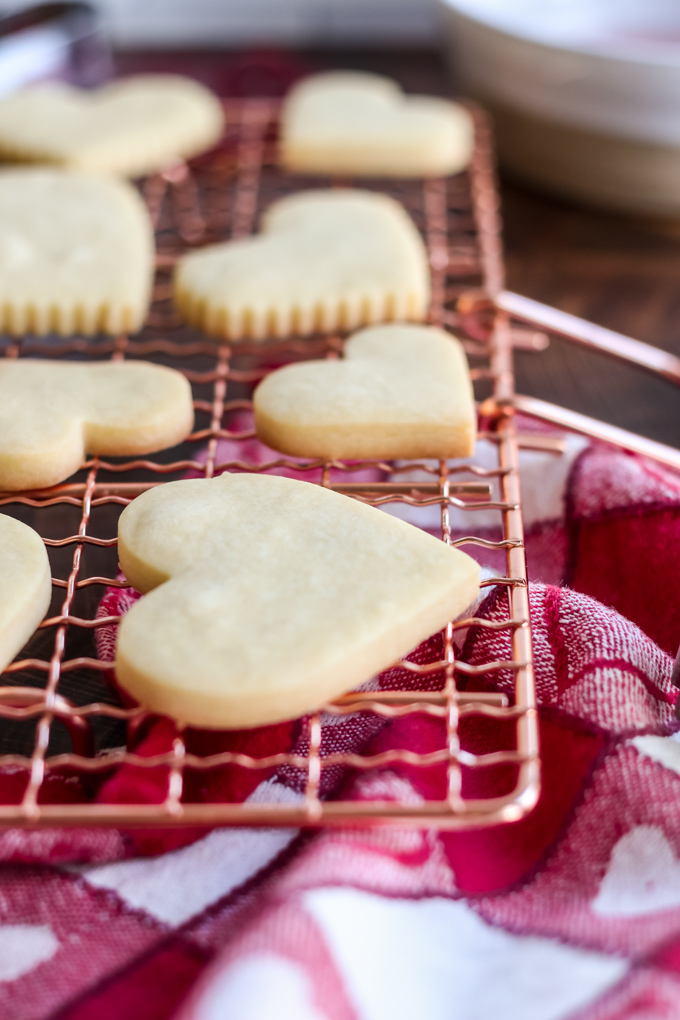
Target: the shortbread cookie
(25, 585)
(350, 122)
(135, 126)
(400, 391)
(272, 596)
(76, 253)
(53, 412)
(323, 260)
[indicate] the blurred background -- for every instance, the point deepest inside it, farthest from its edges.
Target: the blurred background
(585, 96)
(175, 23)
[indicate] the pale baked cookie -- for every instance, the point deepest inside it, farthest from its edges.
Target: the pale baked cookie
(25, 585)
(135, 126)
(350, 122)
(76, 253)
(400, 391)
(323, 260)
(53, 412)
(272, 596)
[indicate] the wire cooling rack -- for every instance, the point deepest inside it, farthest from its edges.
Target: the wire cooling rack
(58, 713)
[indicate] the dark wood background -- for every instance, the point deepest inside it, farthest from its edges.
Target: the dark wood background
(622, 272)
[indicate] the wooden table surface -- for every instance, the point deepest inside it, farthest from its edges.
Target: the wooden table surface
(618, 271)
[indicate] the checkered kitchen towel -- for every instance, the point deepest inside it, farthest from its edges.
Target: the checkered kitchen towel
(573, 912)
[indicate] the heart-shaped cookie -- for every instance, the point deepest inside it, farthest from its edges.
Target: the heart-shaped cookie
(76, 253)
(272, 596)
(25, 585)
(349, 122)
(400, 391)
(53, 412)
(323, 260)
(134, 126)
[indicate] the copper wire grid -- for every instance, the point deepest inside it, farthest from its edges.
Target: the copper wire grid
(58, 681)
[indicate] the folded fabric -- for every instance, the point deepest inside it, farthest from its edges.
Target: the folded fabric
(577, 904)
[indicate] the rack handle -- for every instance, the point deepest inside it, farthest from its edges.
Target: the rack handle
(593, 428)
(571, 327)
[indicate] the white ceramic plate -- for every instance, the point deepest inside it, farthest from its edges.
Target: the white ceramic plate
(586, 92)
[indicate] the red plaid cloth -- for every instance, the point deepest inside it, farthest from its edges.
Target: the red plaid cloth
(573, 912)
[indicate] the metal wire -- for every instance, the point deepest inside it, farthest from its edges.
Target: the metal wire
(217, 197)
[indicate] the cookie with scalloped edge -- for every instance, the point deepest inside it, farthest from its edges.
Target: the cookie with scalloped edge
(76, 253)
(323, 260)
(54, 412)
(399, 391)
(134, 126)
(25, 585)
(265, 597)
(351, 122)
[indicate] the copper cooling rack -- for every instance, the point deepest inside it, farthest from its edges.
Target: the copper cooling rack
(57, 711)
